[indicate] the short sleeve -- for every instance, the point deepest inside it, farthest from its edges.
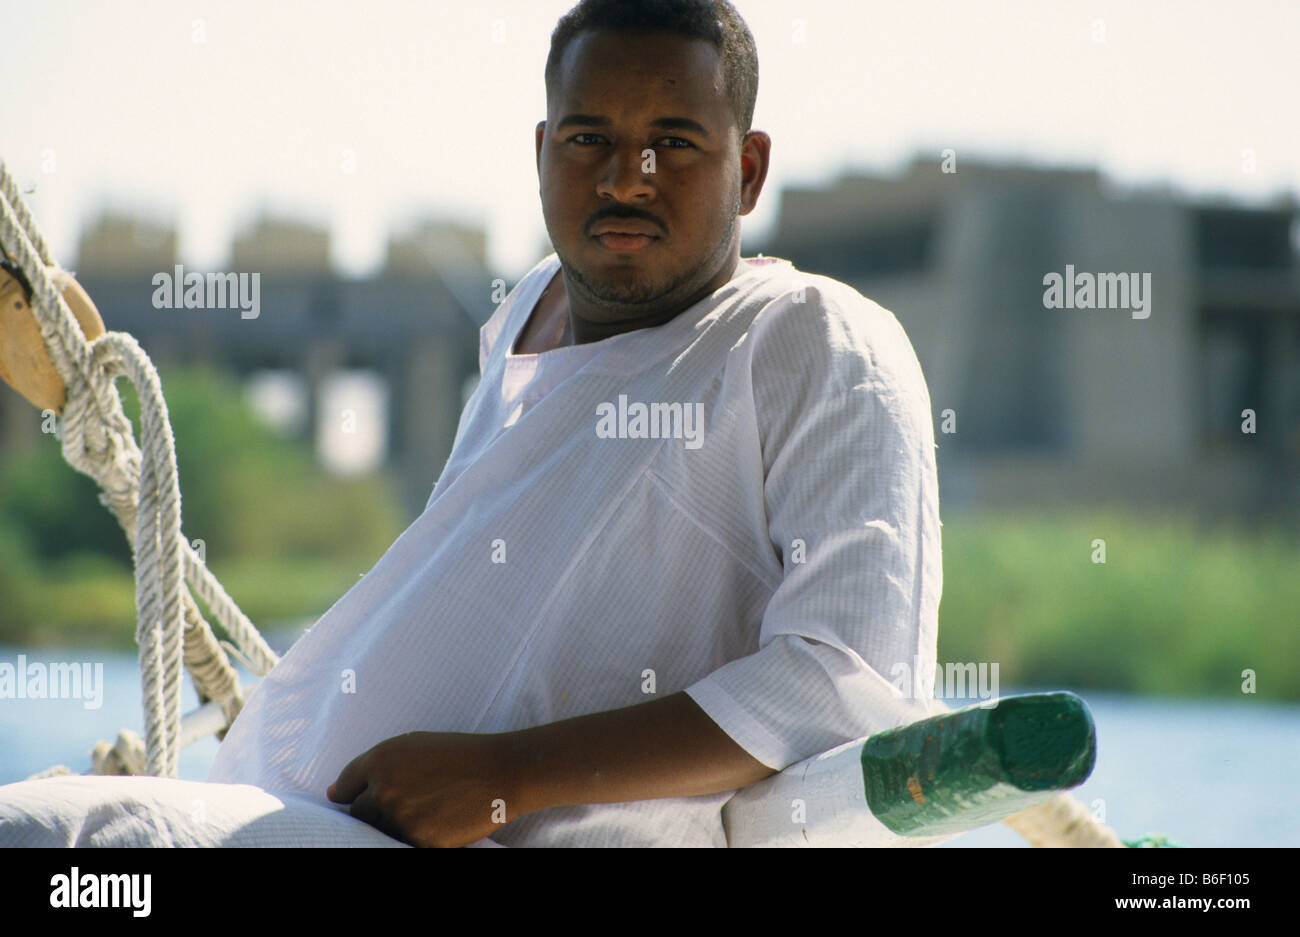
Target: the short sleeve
(851, 495)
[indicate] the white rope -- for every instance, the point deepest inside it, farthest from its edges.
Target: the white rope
(1063, 822)
(127, 756)
(141, 488)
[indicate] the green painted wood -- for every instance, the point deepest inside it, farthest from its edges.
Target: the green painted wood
(970, 767)
(1154, 841)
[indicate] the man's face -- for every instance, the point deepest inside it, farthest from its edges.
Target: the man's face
(617, 97)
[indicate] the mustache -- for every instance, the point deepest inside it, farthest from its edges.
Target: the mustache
(624, 215)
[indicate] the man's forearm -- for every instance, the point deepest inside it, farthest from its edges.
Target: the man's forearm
(667, 747)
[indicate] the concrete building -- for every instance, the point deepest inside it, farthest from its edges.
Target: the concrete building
(1033, 405)
(282, 246)
(1078, 404)
(115, 245)
(415, 324)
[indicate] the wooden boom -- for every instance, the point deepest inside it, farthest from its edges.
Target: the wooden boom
(923, 783)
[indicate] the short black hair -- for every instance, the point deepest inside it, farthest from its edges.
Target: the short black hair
(714, 21)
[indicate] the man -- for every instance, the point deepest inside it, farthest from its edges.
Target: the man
(594, 634)
(689, 526)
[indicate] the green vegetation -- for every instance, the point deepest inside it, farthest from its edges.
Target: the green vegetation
(1177, 609)
(285, 539)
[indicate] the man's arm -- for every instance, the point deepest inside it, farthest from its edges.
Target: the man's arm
(667, 747)
(452, 788)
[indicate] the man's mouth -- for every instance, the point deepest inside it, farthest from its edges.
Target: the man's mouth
(624, 243)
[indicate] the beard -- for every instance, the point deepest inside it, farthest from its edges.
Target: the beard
(638, 293)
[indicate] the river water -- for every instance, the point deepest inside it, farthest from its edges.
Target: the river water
(1206, 772)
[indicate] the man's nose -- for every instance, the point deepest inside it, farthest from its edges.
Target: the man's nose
(624, 177)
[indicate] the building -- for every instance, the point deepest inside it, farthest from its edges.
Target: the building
(1045, 405)
(415, 324)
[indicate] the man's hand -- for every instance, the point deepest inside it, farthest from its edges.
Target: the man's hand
(442, 788)
(430, 788)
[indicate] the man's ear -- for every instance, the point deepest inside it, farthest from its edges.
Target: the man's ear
(540, 133)
(755, 157)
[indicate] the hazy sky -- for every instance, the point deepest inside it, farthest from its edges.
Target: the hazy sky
(203, 113)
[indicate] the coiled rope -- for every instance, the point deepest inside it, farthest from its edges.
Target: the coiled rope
(140, 488)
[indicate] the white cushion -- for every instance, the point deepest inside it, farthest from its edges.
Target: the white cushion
(73, 810)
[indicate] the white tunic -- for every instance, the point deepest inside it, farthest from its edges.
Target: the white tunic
(779, 563)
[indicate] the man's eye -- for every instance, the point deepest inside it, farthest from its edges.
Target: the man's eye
(585, 139)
